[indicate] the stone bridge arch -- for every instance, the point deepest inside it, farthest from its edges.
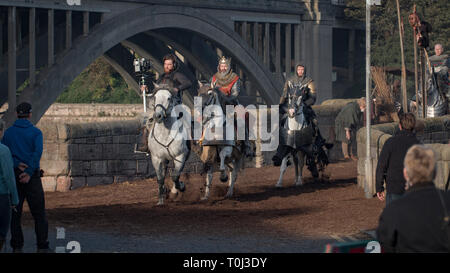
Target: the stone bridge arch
(129, 23)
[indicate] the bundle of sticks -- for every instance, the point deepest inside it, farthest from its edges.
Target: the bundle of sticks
(384, 105)
(382, 89)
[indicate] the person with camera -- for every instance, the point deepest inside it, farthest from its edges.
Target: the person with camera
(8, 191)
(25, 142)
(177, 81)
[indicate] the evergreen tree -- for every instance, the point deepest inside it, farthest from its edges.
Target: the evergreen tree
(99, 83)
(385, 40)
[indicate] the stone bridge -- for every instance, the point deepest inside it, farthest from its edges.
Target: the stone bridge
(45, 44)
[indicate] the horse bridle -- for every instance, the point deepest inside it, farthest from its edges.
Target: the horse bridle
(165, 110)
(294, 101)
(165, 114)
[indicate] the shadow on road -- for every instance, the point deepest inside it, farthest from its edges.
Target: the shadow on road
(267, 192)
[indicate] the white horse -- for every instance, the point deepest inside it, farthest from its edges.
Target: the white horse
(230, 155)
(299, 137)
(167, 143)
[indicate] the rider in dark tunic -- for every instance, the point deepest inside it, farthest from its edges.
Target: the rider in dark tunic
(177, 81)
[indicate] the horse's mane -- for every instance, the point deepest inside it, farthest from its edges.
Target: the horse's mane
(164, 86)
(204, 89)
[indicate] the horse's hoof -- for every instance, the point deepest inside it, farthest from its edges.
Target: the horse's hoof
(223, 177)
(182, 187)
(204, 198)
(160, 202)
(278, 186)
(299, 184)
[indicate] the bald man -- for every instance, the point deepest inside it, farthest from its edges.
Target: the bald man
(441, 64)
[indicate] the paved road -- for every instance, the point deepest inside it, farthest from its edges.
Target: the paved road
(105, 242)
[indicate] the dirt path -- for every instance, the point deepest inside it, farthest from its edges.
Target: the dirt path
(314, 214)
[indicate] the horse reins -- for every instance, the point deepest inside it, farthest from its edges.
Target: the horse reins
(157, 141)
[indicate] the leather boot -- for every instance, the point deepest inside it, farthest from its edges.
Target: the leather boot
(345, 150)
(142, 141)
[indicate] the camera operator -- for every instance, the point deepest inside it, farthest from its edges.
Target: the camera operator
(175, 80)
(173, 77)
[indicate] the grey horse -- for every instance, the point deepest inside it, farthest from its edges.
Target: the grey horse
(229, 153)
(297, 134)
(167, 141)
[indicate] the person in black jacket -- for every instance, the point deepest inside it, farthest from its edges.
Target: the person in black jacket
(390, 162)
(419, 221)
(178, 82)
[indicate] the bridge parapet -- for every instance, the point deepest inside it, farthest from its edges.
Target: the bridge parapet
(433, 132)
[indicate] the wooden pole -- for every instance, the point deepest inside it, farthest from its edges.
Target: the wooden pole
(416, 76)
(368, 163)
(404, 98)
(422, 84)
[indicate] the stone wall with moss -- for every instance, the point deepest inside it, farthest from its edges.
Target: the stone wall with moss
(434, 132)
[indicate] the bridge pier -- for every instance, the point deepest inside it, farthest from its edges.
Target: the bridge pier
(68, 29)
(32, 47)
(51, 37)
(12, 77)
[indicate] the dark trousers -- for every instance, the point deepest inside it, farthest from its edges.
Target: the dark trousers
(390, 197)
(34, 194)
(5, 215)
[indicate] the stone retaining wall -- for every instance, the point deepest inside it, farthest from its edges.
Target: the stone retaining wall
(89, 154)
(434, 132)
(92, 112)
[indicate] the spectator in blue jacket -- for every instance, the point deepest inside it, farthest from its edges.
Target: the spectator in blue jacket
(8, 192)
(26, 143)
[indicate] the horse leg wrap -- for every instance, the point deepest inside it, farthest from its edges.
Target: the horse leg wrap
(310, 161)
(282, 151)
(162, 189)
(178, 185)
(223, 176)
